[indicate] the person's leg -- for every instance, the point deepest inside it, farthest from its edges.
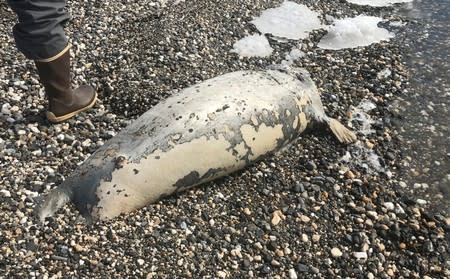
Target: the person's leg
(40, 36)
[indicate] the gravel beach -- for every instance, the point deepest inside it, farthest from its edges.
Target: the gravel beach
(317, 209)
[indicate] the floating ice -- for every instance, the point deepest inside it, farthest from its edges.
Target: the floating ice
(354, 32)
(253, 45)
(377, 3)
(290, 20)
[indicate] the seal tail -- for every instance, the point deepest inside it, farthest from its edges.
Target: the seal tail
(56, 199)
(343, 134)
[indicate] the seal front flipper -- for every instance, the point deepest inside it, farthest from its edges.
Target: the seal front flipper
(342, 134)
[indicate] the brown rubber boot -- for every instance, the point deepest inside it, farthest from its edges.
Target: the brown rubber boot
(63, 102)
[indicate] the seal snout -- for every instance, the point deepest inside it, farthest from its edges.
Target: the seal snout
(56, 199)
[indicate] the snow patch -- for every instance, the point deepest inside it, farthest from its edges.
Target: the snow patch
(378, 3)
(253, 46)
(290, 20)
(354, 32)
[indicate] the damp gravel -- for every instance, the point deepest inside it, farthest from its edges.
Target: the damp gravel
(301, 213)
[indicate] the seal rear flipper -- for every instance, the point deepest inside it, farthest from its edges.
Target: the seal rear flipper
(56, 199)
(343, 134)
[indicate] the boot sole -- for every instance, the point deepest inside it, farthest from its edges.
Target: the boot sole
(56, 119)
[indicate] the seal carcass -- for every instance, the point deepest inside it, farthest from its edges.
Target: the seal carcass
(198, 134)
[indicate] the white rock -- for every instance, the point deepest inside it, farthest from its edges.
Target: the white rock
(421, 202)
(5, 193)
(276, 220)
(221, 274)
(140, 261)
(304, 237)
(372, 214)
(292, 274)
(23, 220)
(6, 109)
(399, 210)
(335, 252)
(50, 170)
(360, 255)
(389, 205)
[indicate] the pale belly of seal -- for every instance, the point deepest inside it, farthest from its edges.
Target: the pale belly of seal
(201, 133)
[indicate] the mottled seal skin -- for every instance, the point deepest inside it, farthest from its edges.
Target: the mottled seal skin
(201, 133)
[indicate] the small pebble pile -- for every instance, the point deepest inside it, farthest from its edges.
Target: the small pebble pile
(301, 213)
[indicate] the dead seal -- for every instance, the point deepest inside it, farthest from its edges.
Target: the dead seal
(201, 133)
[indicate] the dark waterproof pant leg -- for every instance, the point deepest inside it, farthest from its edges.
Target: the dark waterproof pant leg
(40, 31)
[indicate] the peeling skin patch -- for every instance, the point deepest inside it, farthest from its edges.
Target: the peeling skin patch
(254, 120)
(241, 149)
(147, 186)
(303, 121)
(261, 139)
(295, 123)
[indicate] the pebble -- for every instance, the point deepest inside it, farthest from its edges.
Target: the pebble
(292, 274)
(305, 238)
(421, 202)
(277, 216)
(389, 206)
(279, 252)
(247, 211)
(336, 253)
(360, 255)
(315, 237)
(221, 274)
(5, 193)
(275, 263)
(305, 218)
(301, 268)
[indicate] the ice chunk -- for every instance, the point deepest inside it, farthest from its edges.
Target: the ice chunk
(378, 3)
(253, 45)
(290, 20)
(354, 32)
